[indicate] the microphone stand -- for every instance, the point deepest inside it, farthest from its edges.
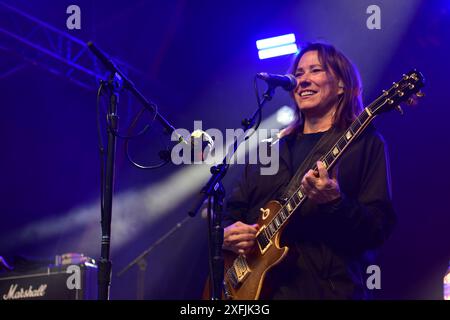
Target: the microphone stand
(141, 261)
(117, 81)
(215, 192)
(114, 85)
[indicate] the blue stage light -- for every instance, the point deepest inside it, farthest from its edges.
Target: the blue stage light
(276, 46)
(275, 41)
(277, 51)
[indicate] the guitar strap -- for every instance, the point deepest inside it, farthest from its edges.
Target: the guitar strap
(322, 146)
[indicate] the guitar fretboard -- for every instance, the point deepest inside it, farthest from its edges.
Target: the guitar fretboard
(329, 159)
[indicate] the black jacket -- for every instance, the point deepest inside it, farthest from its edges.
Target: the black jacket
(331, 244)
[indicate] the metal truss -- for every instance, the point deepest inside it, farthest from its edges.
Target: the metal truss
(37, 42)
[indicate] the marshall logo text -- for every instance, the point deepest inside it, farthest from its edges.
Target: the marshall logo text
(21, 293)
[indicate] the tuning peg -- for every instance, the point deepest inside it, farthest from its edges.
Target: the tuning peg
(399, 109)
(420, 94)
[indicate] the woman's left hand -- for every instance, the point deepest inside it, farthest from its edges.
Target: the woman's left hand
(320, 188)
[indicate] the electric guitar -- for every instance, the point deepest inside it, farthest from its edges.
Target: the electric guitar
(244, 275)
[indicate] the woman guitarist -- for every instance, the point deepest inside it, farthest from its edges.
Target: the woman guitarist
(348, 213)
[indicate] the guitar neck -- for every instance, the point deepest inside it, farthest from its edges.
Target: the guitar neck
(296, 199)
(356, 128)
(400, 91)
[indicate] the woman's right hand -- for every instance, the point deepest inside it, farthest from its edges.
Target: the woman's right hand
(240, 237)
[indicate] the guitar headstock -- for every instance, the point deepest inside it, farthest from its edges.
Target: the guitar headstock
(406, 90)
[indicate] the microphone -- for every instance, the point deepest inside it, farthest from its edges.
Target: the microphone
(287, 82)
(201, 146)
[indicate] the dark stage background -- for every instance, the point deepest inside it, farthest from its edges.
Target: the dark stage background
(196, 60)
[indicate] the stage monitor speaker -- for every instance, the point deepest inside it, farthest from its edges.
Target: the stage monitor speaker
(66, 282)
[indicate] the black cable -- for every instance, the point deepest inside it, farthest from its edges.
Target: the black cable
(259, 110)
(259, 104)
(127, 137)
(144, 130)
(255, 86)
(127, 140)
(100, 148)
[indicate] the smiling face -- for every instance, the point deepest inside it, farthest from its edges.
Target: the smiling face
(317, 92)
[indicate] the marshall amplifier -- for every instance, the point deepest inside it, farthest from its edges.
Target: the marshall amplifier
(64, 282)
